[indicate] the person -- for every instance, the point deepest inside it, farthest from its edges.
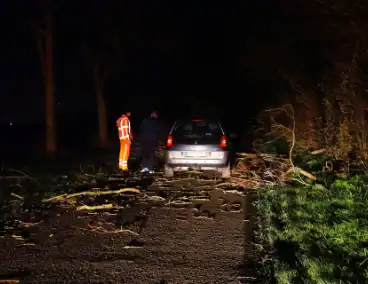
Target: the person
(125, 137)
(149, 131)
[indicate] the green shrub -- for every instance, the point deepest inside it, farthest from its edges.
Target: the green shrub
(317, 235)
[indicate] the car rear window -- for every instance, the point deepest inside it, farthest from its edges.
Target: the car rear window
(197, 129)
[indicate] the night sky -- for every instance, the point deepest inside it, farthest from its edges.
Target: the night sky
(164, 54)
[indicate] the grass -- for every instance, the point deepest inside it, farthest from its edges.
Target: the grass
(316, 235)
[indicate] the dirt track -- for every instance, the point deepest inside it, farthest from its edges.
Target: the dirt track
(187, 238)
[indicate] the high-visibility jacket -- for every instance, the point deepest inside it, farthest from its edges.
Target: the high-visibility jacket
(123, 124)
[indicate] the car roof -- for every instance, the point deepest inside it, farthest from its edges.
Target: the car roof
(196, 119)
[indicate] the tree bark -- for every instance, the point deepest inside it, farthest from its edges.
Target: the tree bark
(51, 144)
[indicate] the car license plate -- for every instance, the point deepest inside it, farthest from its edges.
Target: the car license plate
(195, 154)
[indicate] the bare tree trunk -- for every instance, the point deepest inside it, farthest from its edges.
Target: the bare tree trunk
(51, 145)
(99, 75)
(102, 117)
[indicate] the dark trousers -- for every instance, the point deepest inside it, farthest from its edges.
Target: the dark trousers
(148, 153)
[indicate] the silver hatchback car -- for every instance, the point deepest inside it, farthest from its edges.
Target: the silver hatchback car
(199, 144)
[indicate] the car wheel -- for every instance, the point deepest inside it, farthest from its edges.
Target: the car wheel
(169, 172)
(226, 172)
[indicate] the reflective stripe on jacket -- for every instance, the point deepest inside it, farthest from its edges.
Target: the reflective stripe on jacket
(123, 124)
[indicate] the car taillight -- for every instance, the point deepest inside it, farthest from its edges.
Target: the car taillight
(169, 142)
(223, 141)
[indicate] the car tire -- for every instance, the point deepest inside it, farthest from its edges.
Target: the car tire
(226, 172)
(168, 171)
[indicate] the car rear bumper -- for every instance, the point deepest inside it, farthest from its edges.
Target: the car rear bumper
(203, 163)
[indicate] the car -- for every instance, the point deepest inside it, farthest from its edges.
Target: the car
(199, 144)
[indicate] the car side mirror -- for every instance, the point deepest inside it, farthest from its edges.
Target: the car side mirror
(233, 136)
